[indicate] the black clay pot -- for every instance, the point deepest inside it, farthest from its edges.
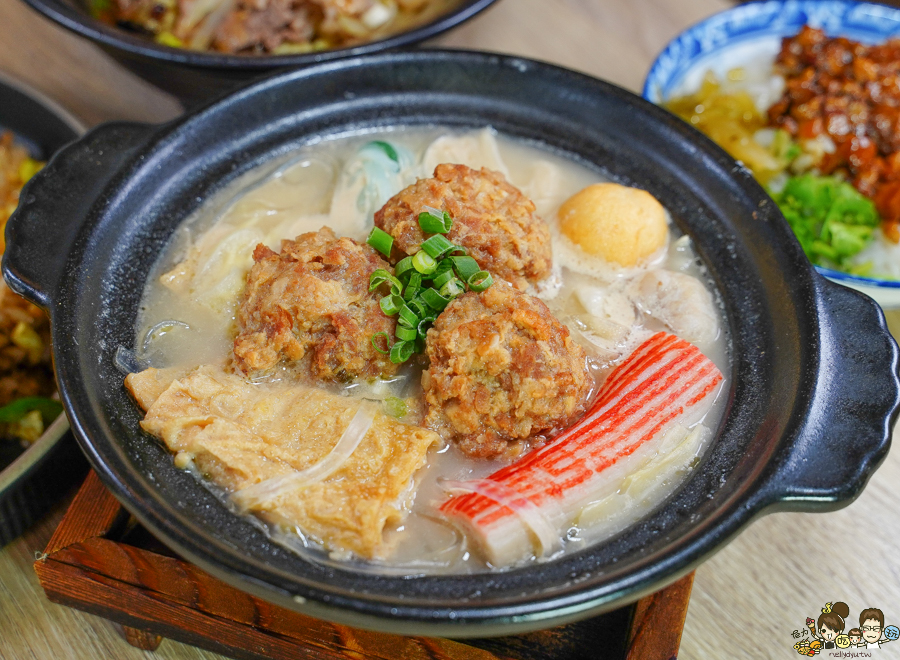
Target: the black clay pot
(195, 76)
(813, 390)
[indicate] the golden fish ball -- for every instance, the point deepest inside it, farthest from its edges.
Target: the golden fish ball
(618, 223)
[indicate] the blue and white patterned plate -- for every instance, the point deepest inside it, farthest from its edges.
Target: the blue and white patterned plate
(751, 33)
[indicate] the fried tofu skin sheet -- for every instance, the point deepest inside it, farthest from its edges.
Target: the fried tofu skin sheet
(239, 434)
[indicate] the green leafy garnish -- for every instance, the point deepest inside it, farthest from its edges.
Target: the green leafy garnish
(430, 280)
(395, 407)
(831, 219)
(387, 148)
(13, 412)
(435, 221)
(381, 241)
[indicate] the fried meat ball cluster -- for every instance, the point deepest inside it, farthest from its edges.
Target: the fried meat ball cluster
(492, 219)
(503, 369)
(312, 302)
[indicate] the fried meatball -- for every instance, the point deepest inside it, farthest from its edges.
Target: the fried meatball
(502, 369)
(311, 303)
(492, 219)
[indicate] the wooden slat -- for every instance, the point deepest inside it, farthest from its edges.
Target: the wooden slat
(659, 621)
(142, 639)
(92, 513)
(153, 594)
(297, 636)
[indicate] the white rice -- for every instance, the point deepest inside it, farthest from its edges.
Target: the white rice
(884, 257)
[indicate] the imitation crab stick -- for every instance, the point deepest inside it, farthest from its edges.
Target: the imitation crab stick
(524, 508)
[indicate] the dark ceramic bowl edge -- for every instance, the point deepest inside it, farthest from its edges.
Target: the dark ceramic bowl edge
(78, 127)
(36, 479)
(86, 26)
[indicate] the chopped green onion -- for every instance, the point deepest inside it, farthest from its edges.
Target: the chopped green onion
(423, 284)
(437, 246)
(395, 407)
(424, 324)
(480, 281)
(403, 266)
(406, 334)
(444, 265)
(433, 221)
(381, 276)
(452, 289)
(408, 317)
(402, 351)
(387, 342)
(419, 306)
(378, 277)
(424, 263)
(390, 305)
(443, 278)
(465, 267)
(413, 286)
(435, 300)
(381, 241)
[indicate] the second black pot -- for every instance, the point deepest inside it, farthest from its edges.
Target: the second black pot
(195, 77)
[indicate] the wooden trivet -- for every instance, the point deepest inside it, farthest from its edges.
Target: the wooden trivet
(101, 562)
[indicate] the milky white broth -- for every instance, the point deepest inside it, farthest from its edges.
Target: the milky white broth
(314, 187)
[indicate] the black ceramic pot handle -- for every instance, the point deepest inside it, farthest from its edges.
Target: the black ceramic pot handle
(57, 201)
(847, 431)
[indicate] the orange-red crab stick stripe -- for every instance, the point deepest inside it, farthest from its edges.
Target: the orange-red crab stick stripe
(654, 388)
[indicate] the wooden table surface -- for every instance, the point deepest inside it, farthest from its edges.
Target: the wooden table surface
(747, 600)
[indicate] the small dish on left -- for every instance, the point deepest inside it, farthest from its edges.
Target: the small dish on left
(34, 476)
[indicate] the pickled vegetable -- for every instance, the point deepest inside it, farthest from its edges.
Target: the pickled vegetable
(732, 120)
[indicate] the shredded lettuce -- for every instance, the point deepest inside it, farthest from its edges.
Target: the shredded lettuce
(830, 218)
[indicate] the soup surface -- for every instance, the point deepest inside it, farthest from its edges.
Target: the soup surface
(409, 521)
